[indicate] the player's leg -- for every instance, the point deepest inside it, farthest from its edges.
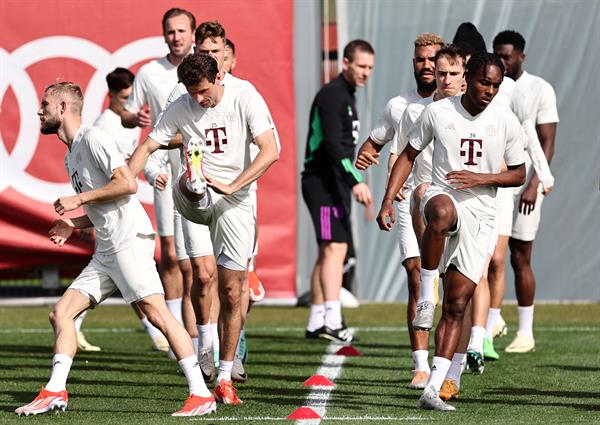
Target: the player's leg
(441, 217)
(418, 194)
(188, 317)
(496, 326)
(159, 342)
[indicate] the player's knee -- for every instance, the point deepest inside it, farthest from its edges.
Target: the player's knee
(156, 318)
(230, 296)
(439, 217)
(456, 308)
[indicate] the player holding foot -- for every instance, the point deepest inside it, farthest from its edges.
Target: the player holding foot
(123, 257)
(218, 123)
(471, 140)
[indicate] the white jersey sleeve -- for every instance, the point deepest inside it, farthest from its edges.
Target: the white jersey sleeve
(514, 152)
(538, 158)
(156, 164)
(104, 151)
(547, 111)
(177, 92)
(258, 115)
(169, 123)
(420, 134)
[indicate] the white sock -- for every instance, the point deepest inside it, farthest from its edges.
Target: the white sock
(526, 321)
(79, 320)
(316, 318)
(439, 370)
(215, 337)
(204, 337)
(174, 306)
(493, 318)
(150, 328)
(476, 341)
(421, 360)
(333, 314)
(427, 288)
(61, 366)
(457, 367)
(224, 371)
(195, 344)
(191, 370)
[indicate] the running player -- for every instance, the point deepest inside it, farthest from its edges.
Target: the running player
(426, 47)
(217, 124)
(541, 103)
(123, 256)
(460, 201)
(152, 86)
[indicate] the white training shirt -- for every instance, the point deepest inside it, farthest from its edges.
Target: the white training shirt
(391, 116)
(225, 131)
(90, 164)
(478, 143)
(125, 138)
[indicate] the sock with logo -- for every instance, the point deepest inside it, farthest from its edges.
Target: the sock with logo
(61, 366)
(193, 374)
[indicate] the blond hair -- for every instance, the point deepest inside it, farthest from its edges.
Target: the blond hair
(428, 39)
(68, 92)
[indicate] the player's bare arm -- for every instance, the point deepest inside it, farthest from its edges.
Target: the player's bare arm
(398, 176)
(141, 119)
(122, 183)
(141, 154)
(464, 179)
(64, 227)
(267, 155)
(368, 154)
(546, 134)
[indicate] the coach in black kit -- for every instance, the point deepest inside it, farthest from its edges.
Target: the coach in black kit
(328, 180)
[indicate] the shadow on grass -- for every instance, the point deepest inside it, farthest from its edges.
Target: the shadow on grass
(572, 368)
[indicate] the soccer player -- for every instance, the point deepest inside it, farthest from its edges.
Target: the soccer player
(123, 257)
(472, 138)
(152, 86)
(426, 47)
(541, 102)
(328, 181)
(217, 123)
(230, 60)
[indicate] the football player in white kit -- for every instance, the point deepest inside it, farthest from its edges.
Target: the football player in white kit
(152, 86)
(426, 47)
(541, 103)
(471, 140)
(123, 256)
(217, 123)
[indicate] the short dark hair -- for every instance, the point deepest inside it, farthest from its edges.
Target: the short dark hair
(452, 51)
(510, 37)
(355, 45)
(175, 11)
(231, 46)
(480, 60)
(196, 67)
(469, 39)
(210, 29)
(119, 79)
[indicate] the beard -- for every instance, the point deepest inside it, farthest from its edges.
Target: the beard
(424, 86)
(50, 126)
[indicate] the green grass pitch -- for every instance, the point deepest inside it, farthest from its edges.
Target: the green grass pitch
(127, 383)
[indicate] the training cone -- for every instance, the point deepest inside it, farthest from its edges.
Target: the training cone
(304, 413)
(318, 381)
(349, 351)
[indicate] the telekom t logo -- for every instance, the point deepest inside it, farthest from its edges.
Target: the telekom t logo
(471, 153)
(217, 139)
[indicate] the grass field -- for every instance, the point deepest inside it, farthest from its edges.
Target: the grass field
(127, 383)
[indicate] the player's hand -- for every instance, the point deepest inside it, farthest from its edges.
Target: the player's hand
(528, 198)
(142, 118)
(367, 156)
(401, 196)
(464, 179)
(67, 203)
(161, 181)
(222, 188)
(62, 230)
(546, 191)
(362, 194)
(385, 218)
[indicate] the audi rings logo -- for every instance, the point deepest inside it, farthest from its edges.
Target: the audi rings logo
(14, 74)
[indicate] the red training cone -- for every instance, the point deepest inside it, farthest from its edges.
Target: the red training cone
(348, 350)
(318, 381)
(304, 413)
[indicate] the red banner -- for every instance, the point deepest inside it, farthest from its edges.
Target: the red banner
(45, 41)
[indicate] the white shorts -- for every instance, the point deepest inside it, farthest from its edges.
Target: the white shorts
(504, 215)
(525, 227)
(253, 250)
(132, 271)
(407, 239)
(163, 209)
(467, 247)
(229, 223)
(180, 251)
(197, 239)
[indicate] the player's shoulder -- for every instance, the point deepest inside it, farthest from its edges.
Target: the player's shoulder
(233, 81)
(534, 81)
(94, 134)
(102, 119)
(447, 104)
(416, 108)
(155, 66)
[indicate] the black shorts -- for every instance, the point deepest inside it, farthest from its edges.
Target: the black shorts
(329, 205)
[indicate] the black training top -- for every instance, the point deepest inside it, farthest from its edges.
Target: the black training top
(333, 133)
